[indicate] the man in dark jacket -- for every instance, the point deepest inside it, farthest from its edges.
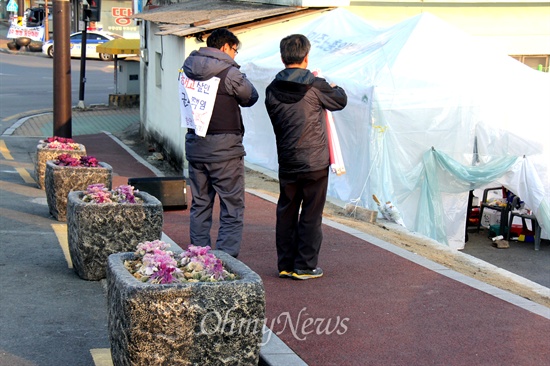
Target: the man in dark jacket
(296, 101)
(216, 161)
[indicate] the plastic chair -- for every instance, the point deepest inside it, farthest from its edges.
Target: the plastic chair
(535, 225)
(502, 209)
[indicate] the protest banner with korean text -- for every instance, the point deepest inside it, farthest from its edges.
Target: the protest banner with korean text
(197, 100)
(34, 33)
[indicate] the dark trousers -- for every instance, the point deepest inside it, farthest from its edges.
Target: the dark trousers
(299, 235)
(227, 180)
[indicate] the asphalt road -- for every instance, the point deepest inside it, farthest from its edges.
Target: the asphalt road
(26, 81)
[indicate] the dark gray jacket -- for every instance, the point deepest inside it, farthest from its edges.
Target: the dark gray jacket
(203, 65)
(296, 101)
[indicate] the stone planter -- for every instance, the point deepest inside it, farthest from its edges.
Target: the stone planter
(43, 154)
(35, 46)
(60, 180)
(97, 230)
(203, 323)
(12, 46)
(23, 41)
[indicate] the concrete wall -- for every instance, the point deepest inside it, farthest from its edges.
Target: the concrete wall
(160, 114)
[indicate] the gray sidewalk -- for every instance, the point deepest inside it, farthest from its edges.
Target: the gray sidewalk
(88, 121)
(43, 298)
(67, 314)
(519, 259)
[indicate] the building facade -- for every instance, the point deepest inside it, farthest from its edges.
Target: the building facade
(115, 15)
(521, 29)
(168, 33)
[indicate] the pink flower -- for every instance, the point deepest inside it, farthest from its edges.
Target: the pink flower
(89, 161)
(155, 264)
(212, 265)
(125, 193)
(64, 140)
(98, 193)
(68, 160)
(95, 187)
(159, 266)
(61, 143)
(151, 246)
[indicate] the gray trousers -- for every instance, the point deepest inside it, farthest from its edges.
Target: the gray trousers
(226, 179)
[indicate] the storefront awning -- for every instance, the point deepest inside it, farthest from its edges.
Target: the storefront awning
(120, 46)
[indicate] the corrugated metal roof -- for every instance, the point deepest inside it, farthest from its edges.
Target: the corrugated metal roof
(190, 17)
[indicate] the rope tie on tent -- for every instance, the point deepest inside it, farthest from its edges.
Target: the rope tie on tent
(380, 129)
(357, 201)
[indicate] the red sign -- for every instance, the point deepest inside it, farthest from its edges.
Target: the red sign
(121, 15)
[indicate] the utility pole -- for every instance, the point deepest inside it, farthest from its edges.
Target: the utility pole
(46, 22)
(20, 11)
(86, 17)
(62, 114)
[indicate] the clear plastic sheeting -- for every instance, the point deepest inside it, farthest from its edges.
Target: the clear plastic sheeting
(440, 175)
(431, 115)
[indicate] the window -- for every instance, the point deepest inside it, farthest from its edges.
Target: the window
(537, 62)
(158, 71)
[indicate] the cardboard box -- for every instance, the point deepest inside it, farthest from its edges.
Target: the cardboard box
(490, 218)
(170, 191)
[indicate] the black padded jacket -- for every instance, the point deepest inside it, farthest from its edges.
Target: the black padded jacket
(296, 102)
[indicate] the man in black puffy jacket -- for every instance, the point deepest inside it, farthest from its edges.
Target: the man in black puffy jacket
(216, 164)
(296, 101)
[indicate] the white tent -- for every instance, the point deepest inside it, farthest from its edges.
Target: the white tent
(431, 114)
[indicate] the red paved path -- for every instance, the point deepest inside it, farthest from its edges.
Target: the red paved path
(388, 310)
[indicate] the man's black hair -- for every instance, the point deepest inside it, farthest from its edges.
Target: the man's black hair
(220, 37)
(294, 49)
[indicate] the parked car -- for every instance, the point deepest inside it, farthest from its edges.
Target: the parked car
(92, 40)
